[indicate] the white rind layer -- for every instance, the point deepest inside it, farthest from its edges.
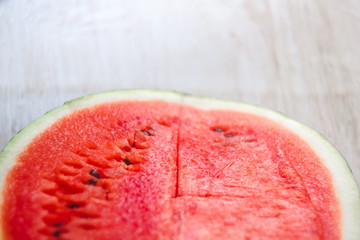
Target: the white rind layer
(344, 182)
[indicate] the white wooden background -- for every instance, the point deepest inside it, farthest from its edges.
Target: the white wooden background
(301, 58)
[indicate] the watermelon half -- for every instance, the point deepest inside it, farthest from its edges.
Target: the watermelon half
(143, 164)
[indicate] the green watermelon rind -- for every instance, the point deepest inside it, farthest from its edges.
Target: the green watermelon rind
(344, 182)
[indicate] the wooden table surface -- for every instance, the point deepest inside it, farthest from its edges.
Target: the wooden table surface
(301, 58)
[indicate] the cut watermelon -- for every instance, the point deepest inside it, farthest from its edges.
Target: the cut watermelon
(158, 165)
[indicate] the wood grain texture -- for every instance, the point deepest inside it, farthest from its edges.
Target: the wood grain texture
(297, 57)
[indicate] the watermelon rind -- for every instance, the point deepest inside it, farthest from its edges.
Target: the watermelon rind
(345, 185)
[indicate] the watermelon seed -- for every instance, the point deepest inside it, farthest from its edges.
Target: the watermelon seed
(57, 233)
(91, 181)
(74, 205)
(146, 133)
(216, 129)
(249, 139)
(59, 224)
(229, 135)
(127, 162)
(94, 173)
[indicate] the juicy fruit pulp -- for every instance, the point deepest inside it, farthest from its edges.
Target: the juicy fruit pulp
(156, 170)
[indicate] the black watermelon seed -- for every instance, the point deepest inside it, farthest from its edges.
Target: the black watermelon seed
(127, 162)
(95, 173)
(57, 233)
(218, 130)
(59, 224)
(229, 135)
(146, 133)
(92, 181)
(74, 205)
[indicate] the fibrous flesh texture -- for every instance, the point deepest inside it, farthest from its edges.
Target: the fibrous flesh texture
(157, 170)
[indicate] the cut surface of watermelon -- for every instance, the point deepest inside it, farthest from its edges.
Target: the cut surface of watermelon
(159, 165)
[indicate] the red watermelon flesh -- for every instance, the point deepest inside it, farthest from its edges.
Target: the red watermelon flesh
(156, 170)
